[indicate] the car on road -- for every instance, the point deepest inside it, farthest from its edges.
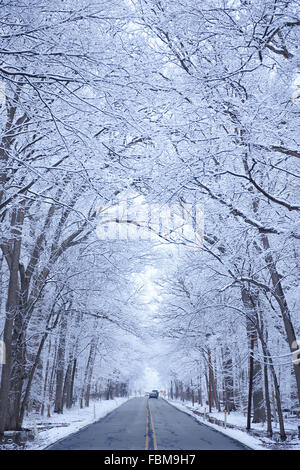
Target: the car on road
(154, 394)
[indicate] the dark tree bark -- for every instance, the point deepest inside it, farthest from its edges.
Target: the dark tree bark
(58, 407)
(13, 250)
(259, 412)
(282, 302)
(268, 403)
(228, 381)
(210, 380)
(171, 390)
(69, 400)
(250, 301)
(250, 384)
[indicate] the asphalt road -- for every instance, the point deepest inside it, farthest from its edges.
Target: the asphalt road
(150, 424)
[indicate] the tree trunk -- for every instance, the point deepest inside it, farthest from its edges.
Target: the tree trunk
(85, 391)
(268, 360)
(69, 401)
(282, 302)
(228, 381)
(58, 407)
(250, 301)
(12, 304)
(210, 385)
(268, 403)
(250, 384)
(259, 412)
(46, 378)
(200, 392)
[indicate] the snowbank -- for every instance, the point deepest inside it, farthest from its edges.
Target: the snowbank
(59, 426)
(238, 419)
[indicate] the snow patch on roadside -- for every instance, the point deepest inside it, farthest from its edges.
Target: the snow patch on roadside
(59, 426)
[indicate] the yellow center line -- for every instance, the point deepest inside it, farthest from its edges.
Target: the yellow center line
(147, 436)
(153, 430)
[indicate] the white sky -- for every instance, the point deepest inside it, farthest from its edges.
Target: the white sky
(151, 380)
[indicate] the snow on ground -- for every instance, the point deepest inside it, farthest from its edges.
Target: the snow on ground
(50, 430)
(238, 419)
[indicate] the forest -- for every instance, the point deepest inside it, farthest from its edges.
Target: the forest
(109, 109)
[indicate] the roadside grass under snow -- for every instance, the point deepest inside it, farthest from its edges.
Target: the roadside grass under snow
(50, 430)
(238, 419)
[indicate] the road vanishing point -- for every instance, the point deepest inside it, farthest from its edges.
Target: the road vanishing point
(143, 424)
